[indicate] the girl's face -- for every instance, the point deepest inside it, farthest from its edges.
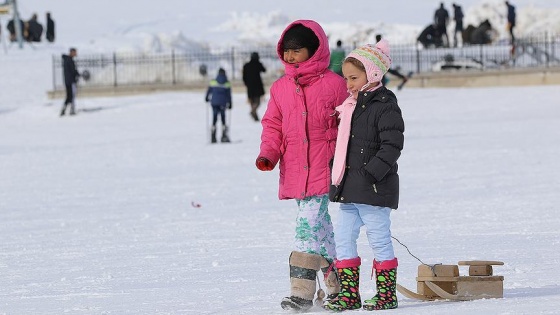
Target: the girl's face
(296, 55)
(355, 78)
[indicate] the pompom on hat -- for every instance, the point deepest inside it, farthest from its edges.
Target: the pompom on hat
(376, 59)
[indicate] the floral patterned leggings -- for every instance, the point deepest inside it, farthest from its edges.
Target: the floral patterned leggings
(314, 228)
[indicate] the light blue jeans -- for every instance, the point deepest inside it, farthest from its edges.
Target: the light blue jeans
(378, 230)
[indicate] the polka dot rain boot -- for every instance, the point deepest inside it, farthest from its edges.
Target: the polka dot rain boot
(386, 280)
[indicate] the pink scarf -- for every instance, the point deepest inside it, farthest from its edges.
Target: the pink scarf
(346, 110)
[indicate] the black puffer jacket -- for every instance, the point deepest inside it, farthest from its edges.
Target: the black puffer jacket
(375, 144)
(71, 74)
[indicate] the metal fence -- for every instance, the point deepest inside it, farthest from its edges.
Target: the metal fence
(197, 67)
(185, 67)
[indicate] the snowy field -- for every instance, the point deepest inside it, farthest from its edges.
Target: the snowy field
(98, 211)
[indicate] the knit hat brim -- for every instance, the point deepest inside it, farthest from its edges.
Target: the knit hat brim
(375, 59)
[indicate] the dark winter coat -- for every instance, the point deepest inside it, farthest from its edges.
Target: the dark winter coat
(252, 77)
(34, 31)
(219, 91)
(11, 26)
(511, 14)
(441, 17)
(375, 144)
(458, 16)
(71, 73)
(50, 30)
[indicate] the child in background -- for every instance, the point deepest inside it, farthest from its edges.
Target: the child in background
(299, 131)
(219, 96)
(365, 179)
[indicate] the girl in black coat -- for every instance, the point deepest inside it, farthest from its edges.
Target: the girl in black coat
(364, 177)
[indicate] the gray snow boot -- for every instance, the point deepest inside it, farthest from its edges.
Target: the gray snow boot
(213, 137)
(225, 137)
(303, 277)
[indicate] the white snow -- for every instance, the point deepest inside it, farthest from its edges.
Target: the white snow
(99, 212)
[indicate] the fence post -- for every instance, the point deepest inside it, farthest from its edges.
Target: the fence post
(114, 69)
(233, 63)
(482, 57)
(173, 65)
(53, 73)
(417, 59)
(546, 49)
(553, 46)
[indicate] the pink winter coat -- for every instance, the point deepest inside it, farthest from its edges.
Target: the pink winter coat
(300, 123)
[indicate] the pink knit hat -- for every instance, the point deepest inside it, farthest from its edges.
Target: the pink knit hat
(375, 59)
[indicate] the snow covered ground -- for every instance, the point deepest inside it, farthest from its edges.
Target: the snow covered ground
(126, 208)
(98, 211)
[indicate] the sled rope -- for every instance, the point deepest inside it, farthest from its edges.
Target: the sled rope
(432, 267)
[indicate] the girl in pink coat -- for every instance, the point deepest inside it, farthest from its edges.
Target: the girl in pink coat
(299, 133)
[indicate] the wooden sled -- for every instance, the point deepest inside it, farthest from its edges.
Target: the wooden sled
(444, 282)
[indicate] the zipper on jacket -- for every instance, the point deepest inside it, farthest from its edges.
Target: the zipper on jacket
(374, 188)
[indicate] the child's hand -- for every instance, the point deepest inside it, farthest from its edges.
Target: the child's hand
(264, 164)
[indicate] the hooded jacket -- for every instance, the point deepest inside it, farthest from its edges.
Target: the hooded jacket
(219, 91)
(300, 125)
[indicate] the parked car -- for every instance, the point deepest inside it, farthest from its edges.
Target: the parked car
(449, 63)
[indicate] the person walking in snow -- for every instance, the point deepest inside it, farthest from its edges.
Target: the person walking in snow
(441, 19)
(458, 17)
(219, 96)
(50, 28)
(337, 55)
(253, 81)
(511, 17)
(299, 132)
(364, 178)
(71, 76)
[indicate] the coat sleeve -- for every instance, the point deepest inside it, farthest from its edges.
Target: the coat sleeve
(208, 92)
(271, 137)
(245, 79)
(391, 135)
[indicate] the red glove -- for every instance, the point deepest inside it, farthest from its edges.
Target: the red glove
(264, 164)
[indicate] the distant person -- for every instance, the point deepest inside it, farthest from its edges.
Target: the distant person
(299, 133)
(365, 180)
(458, 17)
(50, 28)
(430, 37)
(71, 76)
(12, 29)
(441, 19)
(34, 30)
(511, 20)
(337, 56)
(394, 72)
(219, 96)
(253, 81)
